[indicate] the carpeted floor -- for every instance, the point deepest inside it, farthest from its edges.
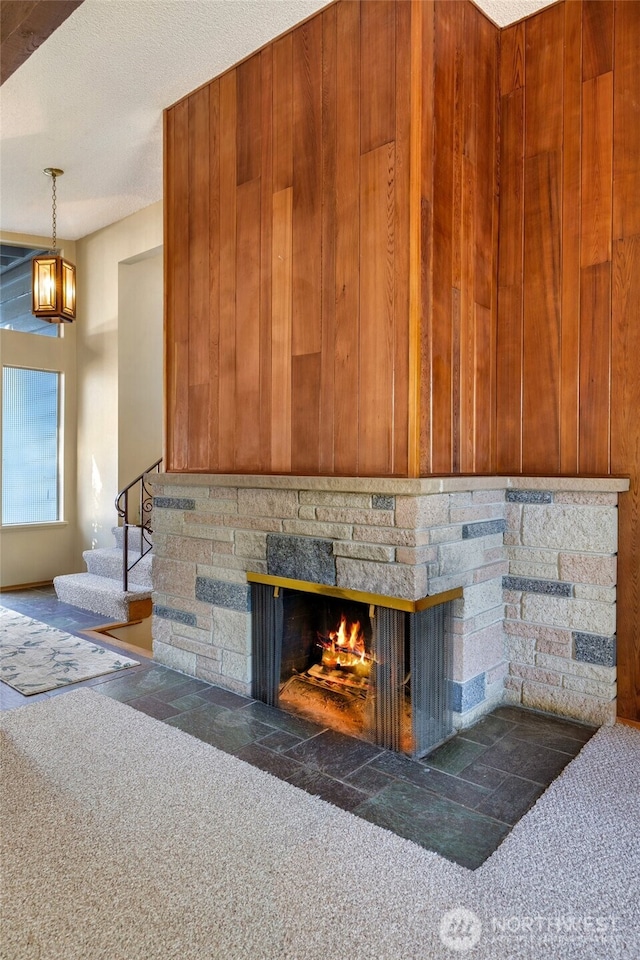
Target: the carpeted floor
(126, 839)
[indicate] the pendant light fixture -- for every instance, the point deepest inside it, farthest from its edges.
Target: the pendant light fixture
(53, 277)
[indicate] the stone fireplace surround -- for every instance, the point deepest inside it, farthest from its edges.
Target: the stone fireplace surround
(536, 558)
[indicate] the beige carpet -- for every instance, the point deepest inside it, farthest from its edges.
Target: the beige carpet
(126, 839)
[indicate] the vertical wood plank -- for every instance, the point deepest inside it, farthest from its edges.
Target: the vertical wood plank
(168, 189)
(403, 169)
(307, 187)
(227, 340)
(266, 258)
(597, 37)
(329, 135)
(626, 133)
(283, 113)
(247, 350)
(180, 286)
(512, 58)
(625, 459)
(597, 168)
(377, 243)
(199, 371)
(305, 416)
(571, 228)
(541, 358)
(199, 237)
(441, 427)
(544, 52)
(249, 126)
(595, 368)
(483, 406)
(214, 269)
(281, 306)
(378, 62)
(347, 322)
(426, 147)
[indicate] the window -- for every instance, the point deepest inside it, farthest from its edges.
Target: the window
(30, 445)
(15, 292)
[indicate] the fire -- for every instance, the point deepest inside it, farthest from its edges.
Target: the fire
(345, 648)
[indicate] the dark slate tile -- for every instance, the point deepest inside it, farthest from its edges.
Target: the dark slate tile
(333, 791)
(297, 726)
(10, 698)
(402, 768)
(369, 779)
(488, 730)
(511, 800)
(224, 698)
(488, 777)
(279, 741)
(454, 756)
(461, 835)
(334, 753)
(153, 707)
(536, 763)
(269, 760)
(548, 737)
(189, 702)
(176, 690)
(545, 723)
(225, 729)
(137, 683)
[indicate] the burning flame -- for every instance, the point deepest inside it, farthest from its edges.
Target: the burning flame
(345, 647)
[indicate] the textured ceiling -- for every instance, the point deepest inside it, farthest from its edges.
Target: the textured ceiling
(90, 100)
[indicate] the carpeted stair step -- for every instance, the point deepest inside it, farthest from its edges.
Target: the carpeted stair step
(108, 563)
(135, 536)
(104, 595)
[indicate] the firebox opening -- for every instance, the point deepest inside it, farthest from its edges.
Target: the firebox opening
(371, 666)
(330, 668)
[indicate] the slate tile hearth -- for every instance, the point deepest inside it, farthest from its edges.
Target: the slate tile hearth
(460, 801)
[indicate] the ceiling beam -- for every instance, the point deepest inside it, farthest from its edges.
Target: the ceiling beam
(25, 25)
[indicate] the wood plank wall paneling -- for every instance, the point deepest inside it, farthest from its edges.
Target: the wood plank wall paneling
(569, 298)
(298, 198)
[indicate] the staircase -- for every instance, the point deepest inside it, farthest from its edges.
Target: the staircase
(112, 587)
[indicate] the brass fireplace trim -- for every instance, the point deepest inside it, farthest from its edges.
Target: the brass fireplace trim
(375, 599)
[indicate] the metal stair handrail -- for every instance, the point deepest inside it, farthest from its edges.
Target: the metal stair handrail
(144, 504)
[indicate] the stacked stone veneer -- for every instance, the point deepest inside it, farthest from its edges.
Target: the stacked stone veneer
(560, 596)
(404, 538)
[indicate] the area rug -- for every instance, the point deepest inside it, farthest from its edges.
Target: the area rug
(126, 839)
(35, 657)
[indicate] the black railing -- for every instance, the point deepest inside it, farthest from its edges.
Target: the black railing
(142, 500)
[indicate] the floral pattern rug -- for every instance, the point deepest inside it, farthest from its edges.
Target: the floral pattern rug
(35, 657)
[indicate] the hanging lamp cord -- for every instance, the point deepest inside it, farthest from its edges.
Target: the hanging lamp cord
(53, 212)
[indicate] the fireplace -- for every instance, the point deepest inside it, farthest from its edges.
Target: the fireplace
(533, 559)
(371, 666)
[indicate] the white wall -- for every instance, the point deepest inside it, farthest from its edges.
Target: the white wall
(140, 364)
(99, 260)
(37, 552)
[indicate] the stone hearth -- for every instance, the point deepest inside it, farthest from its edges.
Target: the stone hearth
(535, 557)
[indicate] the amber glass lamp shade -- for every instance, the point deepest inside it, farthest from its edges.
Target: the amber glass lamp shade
(54, 289)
